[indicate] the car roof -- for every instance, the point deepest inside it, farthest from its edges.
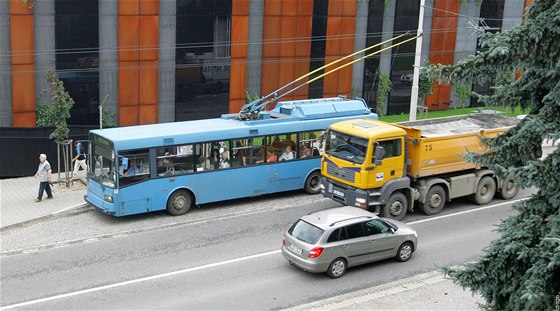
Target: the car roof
(330, 217)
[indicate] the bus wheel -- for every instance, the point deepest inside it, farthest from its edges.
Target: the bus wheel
(508, 189)
(313, 183)
(396, 206)
(485, 191)
(435, 201)
(179, 203)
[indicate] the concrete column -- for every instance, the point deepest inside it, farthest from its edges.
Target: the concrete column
(385, 58)
(254, 51)
(360, 44)
(5, 66)
(513, 14)
(45, 59)
(465, 44)
(167, 62)
(109, 55)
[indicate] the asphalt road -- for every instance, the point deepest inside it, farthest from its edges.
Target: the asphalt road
(222, 256)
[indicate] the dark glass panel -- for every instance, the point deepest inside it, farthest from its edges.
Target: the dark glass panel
(319, 33)
(77, 56)
(374, 32)
(203, 60)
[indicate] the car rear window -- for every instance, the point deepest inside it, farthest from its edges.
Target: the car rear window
(305, 232)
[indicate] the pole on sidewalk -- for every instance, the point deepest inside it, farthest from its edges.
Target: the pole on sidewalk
(417, 54)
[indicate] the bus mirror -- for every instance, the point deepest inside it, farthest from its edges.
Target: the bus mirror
(124, 163)
(379, 153)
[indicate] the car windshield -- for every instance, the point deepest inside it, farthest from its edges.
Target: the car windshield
(305, 232)
(346, 147)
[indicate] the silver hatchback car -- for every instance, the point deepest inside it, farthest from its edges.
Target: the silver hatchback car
(335, 239)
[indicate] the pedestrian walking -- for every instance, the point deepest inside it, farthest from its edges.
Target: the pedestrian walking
(44, 173)
(79, 160)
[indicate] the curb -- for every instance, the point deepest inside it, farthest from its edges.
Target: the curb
(76, 209)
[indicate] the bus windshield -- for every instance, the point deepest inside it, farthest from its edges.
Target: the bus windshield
(102, 166)
(346, 147)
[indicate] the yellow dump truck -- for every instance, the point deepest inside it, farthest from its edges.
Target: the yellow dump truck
(387, 167)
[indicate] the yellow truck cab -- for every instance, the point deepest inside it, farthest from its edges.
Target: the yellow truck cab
(386, 167)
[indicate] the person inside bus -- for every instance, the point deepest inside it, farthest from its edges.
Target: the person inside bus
(240, 155)
(306, 152)
(270, 157)
(288, 141)
(133, 169)
(213, 161)
(169, 165)
(224, 160)
(277, 143)
(287, 155)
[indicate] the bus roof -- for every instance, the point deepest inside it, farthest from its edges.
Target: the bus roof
(299, 115)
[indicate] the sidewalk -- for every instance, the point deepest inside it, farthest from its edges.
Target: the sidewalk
(428, 291)
(18, 206)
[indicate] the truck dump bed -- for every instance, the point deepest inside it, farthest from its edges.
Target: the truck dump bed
(437, 146)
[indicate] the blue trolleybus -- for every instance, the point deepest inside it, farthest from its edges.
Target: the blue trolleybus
(174, 166)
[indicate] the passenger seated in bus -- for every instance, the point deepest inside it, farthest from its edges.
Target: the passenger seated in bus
(277, 143)
(270, 157)
(239, 155)
(133, 169)
(287, 155)
(224, 160)
(306, 152)
(170, 167)
(213, 161)
(288, 142)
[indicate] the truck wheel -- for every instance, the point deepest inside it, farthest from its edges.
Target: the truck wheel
(508, 189)
(396, 206)
(485, 190)
(179, 203)
(435, 201)
(313, 183)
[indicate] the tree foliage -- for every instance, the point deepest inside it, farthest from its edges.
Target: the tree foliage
(61, 103)
(521, 270)
(384, 87)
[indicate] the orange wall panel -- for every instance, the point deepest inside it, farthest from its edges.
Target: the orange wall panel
(335, 8)
(128, 83)
(149, 37)
(17, 7)
(305, 8)
(349, 8)
(147, 114)
(238, 78)
(22, 39)
(272, 7)
(239, 36)
(272, 32)
(148, 83)
(128, 115)
(238, 60)
(149, 7)
(240, 7)
(289, 7)
(288, 34)
(23, 88)
(129, 38)
(24, 119)
(269, 77)
(304, 28)
(129, 7)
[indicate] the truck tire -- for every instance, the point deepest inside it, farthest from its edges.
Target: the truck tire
(508, 189)
(435, 201)
(396, 206)
(485, 191)
(179, 202)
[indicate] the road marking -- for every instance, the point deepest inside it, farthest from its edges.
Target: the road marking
(466, 212)
(217, 264)
(144, 279)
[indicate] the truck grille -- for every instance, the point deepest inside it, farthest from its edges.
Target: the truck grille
(342, 173)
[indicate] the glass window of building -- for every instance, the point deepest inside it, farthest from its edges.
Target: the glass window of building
(406, 19)
(371, 64)
(318, 45)
(77, 56)
(203, 59)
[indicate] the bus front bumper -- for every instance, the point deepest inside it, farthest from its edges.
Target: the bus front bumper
(101, 204)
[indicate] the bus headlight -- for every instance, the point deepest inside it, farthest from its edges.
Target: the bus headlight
(108, 198)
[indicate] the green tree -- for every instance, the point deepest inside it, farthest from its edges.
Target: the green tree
(521, 269)
(384, 87)
(61, 103)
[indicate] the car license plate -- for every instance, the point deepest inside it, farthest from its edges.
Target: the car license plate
(338, 193)
(295, 249)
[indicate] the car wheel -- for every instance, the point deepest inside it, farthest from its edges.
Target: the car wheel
(485, 191)
(435, 201)
(396, 206)
(179, 203)
(509, 189)
(313, 183)
(405, 252)
(337, 268)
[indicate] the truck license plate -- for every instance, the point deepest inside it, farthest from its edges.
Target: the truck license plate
(338, 193)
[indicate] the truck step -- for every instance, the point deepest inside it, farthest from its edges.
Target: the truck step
(374, 194)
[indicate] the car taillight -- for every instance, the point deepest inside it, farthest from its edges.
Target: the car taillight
(283, 241)
(315, 252)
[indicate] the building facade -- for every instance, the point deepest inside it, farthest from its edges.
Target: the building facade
(150, 61)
